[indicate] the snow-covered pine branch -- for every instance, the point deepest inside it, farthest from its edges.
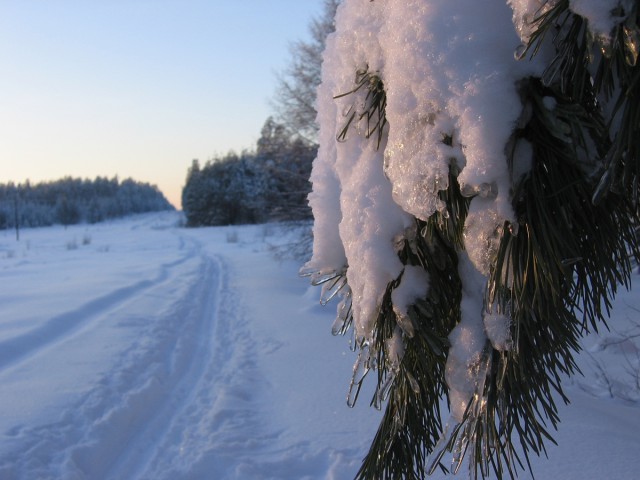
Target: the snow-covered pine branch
(485, 226)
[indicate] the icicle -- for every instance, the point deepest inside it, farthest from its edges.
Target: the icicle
(405, 323)
(383, 390)
(331, 288)
(603, 186)
(520, 52)
(353, 343)
(458, 439)
(631, 44)
(414, 383)
(341, 322)
(319, 277)
(443, 445)
(394, 352)
(399, 419)
(360, 370)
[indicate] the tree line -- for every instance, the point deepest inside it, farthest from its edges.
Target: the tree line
(72, 200)
(268, 184)
(271, 181)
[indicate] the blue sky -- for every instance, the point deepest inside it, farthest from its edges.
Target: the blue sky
(137, 88)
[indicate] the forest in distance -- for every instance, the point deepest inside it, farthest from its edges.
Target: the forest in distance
(73, 200)
(268, 181)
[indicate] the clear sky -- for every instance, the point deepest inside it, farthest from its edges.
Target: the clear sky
(137, 88)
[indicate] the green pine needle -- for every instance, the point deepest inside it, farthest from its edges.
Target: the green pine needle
(375, 103)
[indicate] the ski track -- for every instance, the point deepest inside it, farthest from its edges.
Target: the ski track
(152, 415)
(64, 325)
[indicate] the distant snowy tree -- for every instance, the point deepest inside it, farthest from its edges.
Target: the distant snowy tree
(67, 212)
(286, 164)
(192, 193)
(475, 196)
(226, 191)
(270, 184)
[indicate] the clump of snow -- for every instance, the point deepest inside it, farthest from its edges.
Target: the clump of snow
(482, 233)
(328, 252)
(414, 285)
(464, 372)
(498, 329)
(348, 177)
(440, 68)
(416, 159)
(524, 14)
(599, 15)
(368, 233)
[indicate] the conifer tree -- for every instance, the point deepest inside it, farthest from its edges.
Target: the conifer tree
(475, 204)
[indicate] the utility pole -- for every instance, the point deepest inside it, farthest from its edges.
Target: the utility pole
(15, 212)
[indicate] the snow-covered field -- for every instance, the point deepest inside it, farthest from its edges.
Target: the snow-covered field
(137, 349)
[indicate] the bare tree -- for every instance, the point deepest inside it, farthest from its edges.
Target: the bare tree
(295, 96)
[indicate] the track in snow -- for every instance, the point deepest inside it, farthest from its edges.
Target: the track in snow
(168, 405)
(63, 325)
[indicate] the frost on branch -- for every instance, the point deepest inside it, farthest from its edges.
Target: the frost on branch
(452, 196)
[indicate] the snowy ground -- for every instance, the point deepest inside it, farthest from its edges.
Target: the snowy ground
(139, 350)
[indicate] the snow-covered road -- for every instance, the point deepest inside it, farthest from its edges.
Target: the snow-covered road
(138, 350)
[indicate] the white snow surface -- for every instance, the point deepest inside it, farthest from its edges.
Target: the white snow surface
(136, 349)
(139, 350)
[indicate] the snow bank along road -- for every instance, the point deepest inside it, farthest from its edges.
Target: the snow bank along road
(135, 349)
(139, 350)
